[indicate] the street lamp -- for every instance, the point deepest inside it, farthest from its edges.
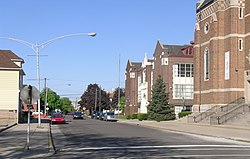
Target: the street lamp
(200, 61)
(36, 48)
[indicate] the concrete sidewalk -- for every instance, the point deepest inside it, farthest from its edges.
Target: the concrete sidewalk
(13, 142)
(236, 133)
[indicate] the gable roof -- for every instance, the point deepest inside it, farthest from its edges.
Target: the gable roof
(175, 50)
(136, 65)
(7, 59)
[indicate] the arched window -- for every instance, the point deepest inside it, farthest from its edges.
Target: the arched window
(206, 64)
(206, 28)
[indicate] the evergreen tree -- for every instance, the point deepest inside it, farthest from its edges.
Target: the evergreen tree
(159, 108)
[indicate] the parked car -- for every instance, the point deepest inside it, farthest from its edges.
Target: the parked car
(57, 118)
(78, 115)
(109, 116)
(101, 115)
(98, 114)
(94, 114)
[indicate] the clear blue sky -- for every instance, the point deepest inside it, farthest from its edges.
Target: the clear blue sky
(126, 27)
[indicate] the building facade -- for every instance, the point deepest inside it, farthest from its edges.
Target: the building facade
(11, 82)
(220, 53)
(246, 12)
(131, 87)
(145, 82)
(174, 63)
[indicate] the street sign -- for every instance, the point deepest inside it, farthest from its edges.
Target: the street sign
(29, 95)
(25, 96)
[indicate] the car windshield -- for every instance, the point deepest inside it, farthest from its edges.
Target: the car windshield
(57, 116)
(78, 113)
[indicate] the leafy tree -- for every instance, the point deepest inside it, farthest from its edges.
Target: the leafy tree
(53, 99)
(114, 102)
(88, 98)
(159, 108)
(66, 105)
(122, 103)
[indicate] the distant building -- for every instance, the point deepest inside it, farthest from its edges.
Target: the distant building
(174, 63)
(145, 82)
(131, 87)
(221, 53)
(11, 82)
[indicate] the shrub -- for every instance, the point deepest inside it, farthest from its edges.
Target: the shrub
(121, 117)
(142, 117)
(128, 116)
(183, 114)
(134, 116)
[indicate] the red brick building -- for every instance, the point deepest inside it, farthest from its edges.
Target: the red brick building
(220, 51)
(131, 87)
(174, 63)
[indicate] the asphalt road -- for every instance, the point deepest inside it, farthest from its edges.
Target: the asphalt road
(92, 138)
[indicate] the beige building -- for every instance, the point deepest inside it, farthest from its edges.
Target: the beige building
(11, 82)
(220, 53)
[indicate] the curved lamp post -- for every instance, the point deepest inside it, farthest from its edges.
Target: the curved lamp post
(36, 48)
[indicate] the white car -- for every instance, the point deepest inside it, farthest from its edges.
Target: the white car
(36, 113)
(109, 116)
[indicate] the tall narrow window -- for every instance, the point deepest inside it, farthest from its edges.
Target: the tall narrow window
(240, 44)
(188, 70)
(192, 70)
(144, 76)
(206, 64)
(241, 13)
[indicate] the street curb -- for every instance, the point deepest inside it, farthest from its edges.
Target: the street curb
(169, 129)
(199, 124)
(3, 129)
(217, 126)
(241, 140)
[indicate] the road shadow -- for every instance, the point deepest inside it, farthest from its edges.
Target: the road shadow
(13, 142)
(85, 144)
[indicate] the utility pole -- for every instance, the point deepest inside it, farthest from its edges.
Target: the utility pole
(200, 62)
(100, 97)
(76, 104)
(95, 98)
(119, 93)
(46, 95)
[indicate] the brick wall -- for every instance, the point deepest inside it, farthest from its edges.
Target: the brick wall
(223, 35)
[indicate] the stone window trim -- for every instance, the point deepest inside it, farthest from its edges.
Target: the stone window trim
(240, 44)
